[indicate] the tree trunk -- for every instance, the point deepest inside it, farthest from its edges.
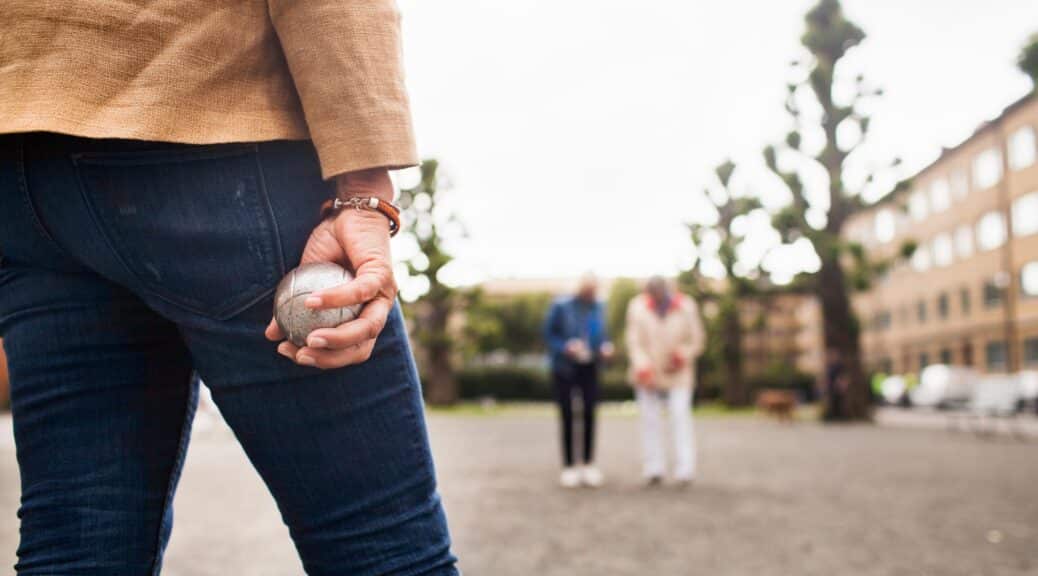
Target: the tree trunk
(441, 387)
(841, 332)
(735, 393)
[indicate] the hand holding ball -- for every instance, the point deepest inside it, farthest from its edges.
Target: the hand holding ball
(295, 320)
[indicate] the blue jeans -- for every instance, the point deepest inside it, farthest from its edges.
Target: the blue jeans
(125, 265)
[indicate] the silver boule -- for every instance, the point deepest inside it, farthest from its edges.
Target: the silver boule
(291, 314)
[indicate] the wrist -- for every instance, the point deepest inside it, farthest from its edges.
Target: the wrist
(373, 182)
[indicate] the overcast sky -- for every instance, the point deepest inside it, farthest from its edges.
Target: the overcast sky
(579, 134)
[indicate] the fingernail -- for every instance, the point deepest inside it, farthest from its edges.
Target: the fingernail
(305, 360)
(317, 342)
(283, 350)
(313, 301)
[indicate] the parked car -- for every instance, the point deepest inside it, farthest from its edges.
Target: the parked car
(942, 386)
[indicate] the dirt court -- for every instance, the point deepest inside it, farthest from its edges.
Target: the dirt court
(771, 500)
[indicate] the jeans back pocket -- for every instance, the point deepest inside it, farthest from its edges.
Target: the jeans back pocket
(191, 224)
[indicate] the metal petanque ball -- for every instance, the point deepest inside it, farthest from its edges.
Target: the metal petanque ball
(291, 314)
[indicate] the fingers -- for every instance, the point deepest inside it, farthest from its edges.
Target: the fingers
(361, 289)
(349, 343)
(326, 359)
(365, 327)
(273, 332)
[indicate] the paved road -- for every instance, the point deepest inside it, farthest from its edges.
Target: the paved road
(771, 500)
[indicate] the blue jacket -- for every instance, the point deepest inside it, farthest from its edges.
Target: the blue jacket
(564, 324)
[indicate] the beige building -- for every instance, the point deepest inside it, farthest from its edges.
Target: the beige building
(969, 294)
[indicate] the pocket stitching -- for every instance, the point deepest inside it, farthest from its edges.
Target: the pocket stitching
(219, 312)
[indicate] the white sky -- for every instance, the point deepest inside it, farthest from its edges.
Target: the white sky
(579, 134)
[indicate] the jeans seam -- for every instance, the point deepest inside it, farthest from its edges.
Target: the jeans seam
(264, 194)
(23, 187)
(174, 474)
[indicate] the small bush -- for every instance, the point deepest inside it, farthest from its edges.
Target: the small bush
(511, 383)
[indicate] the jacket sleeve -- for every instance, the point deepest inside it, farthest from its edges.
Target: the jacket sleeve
(346, 63)
(636, 351)
(553, 330)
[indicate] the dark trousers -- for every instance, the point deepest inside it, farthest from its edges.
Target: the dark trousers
(124, 266)
(582, 379)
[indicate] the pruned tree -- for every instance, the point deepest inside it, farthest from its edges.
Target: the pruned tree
(1028, 59)
(738, 284)
(824, 103)
(433, 310)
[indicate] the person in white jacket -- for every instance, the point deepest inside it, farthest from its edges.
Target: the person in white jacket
(664, 338)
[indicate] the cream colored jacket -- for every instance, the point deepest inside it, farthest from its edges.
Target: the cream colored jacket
(652, 340)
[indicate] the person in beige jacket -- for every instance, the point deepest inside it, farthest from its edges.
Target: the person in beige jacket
(664, 337)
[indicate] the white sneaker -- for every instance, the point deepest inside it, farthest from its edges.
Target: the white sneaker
(570, 477)
(592, 476)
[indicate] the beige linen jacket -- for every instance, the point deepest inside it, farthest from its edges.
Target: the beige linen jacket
(210, 71)
(651, 340)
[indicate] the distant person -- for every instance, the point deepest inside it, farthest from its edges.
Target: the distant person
(578, 343)
(664, 338)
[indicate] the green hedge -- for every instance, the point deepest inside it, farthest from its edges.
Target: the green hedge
(510, 383)
(527, 384)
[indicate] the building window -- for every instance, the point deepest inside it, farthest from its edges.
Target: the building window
(917, 205)
(1031, 353)
(964, 241)
(997, 358)
(1029, 279)
(987, 169)
(921, 258)
(960, 184)
(920, 311)
(942, 250)
(992, 294)
(946, 356)
(886, 225)
(940, 195)
(924, 360)
(1022, 148)
(1025, 214)
(942, 305)
(991, 231)
(964, 301)
(882, 320)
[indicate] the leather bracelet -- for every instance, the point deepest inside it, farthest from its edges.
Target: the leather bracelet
(388, 209)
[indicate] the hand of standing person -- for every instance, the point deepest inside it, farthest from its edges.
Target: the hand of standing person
(607, 351)
(676, 363)
(359, 240)
(645, 377)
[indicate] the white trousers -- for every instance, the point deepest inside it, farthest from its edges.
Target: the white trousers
(679, 408)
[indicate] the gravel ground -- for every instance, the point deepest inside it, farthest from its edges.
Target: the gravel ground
(771, 500)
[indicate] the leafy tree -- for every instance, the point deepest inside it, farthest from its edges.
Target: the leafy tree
(433, 310)
(829, 36)
(511, 324)
(726, 325)
(1028, 59)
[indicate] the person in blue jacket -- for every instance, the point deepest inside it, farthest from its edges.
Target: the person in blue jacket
(578, 343)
